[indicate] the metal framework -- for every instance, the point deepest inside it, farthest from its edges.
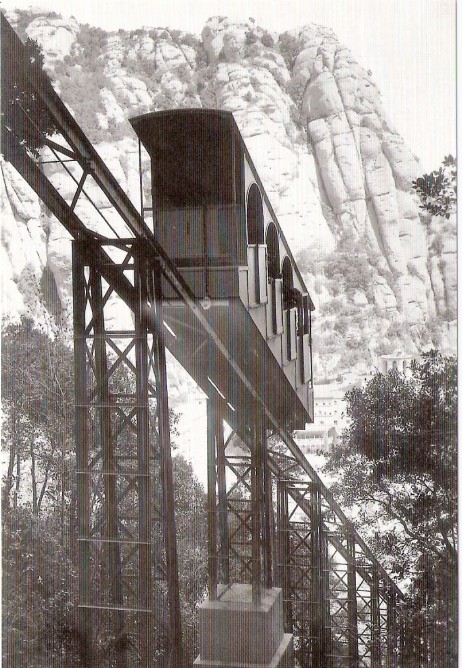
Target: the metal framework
(124, 468)
(339, 603)
(271, 521)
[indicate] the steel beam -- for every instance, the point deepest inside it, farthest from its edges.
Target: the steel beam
(223, 521)
(143, 450)
(82, 452)
(283, 542)
(375, 620)
(168, 491)
(352, 603)
(257, 501)
(109, 469)
(212, 499)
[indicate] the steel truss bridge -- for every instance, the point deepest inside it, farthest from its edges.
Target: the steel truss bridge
(275, 524)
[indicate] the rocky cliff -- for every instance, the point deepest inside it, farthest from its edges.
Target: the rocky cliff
(382, 273)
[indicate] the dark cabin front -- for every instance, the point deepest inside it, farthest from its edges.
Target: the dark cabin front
(197, 186)
(213, 218)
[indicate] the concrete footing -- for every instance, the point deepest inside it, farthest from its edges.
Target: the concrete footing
(236, 633)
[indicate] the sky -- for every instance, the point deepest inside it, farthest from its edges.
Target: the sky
(409, 45)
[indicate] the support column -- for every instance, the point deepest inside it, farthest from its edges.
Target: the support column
(375, 619)
(353, 650)
(320, 619)
(121, 402)
(257, 501)
(143, 447)
(392, 631)
(283, 567)
(241, 624)
(212, 499)
(82, 450)
(268, 520)
(109, 470)
(168, 493)
(402, 643)
(222, 502)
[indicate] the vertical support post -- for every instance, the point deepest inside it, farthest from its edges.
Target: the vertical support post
(140, 173)
(109, 470)
(222, 501)
(320, 621)
(327, 625)
(267, 514)
(353, 650)
(143, 451)
(257, 500)
(171, 555)
(81, 445)
(392, 636)
(402, 642)
(375, 619)
(212, 498)
(283, 569)
(316, 589)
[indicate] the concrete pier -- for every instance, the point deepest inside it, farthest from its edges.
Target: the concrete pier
(236, 633)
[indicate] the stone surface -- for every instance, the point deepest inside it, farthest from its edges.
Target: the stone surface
(338, 174)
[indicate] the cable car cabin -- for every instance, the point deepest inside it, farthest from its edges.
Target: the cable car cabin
(213, 218)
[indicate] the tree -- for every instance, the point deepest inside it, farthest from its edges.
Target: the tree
(438, 190)
(39, 547)
(25, 119)
(396, 469)
(38, 497)
(37, 396)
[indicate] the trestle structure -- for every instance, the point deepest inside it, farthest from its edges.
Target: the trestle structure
(271, 520)
(127, 536)
(339, 603)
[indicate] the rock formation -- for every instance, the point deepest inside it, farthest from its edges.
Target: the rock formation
(381, 272)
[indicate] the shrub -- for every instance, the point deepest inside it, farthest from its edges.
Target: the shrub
(289, 47)
(438, 190)
(267, 40)
(250, 38)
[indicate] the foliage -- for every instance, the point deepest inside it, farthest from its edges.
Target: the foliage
(296, 87)
(39, 589)
(438, 190)
(289, 47)
(31, 120)
(396, 470)
(91, 43)
(24, 114)
(250, 38)
(348, 268)
(267, 40)
(39, 520)
(37, 399)
(85, 71)
(413, 429)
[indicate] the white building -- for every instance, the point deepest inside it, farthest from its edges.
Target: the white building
(329, 419)
(314, 441)
(397, 360)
